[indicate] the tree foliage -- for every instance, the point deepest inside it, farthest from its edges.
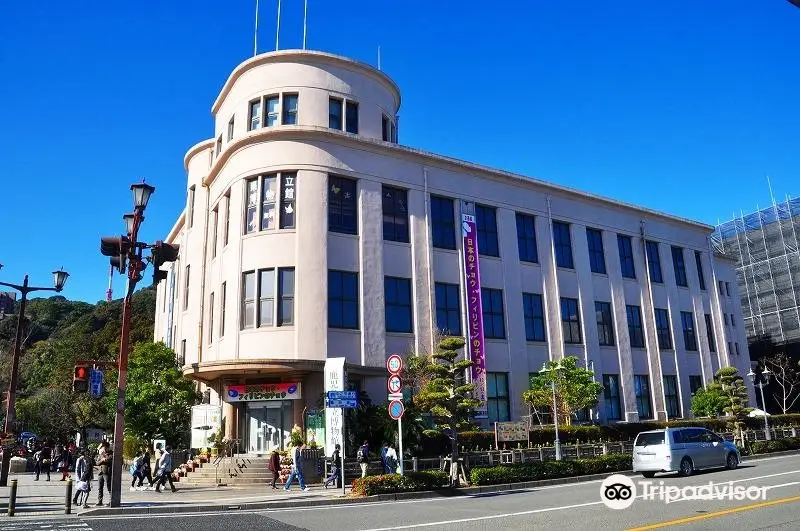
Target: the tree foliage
(575, 388)
(709, 401)
(735, 393)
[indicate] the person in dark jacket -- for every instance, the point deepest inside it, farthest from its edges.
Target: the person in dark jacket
(275, 467)
(146, 471)
(104, 463)
(335, 462)
(45, 456)
(84, 471)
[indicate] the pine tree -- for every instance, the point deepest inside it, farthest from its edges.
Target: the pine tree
(735, 393)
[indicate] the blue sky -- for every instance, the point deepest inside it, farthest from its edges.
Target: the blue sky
(681, 106)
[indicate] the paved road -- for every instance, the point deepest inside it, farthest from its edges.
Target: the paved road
(573, 507)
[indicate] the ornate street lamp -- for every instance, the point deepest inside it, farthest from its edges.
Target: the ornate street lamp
(762, 380)
(141, 194)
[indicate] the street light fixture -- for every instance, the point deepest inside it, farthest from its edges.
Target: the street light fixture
(141, 194)
(557, 370)
(130, 223)
(59, 279)
(762, 380)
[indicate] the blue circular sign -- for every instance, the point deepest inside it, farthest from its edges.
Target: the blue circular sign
(292, 389)
(233, 393)
(396, 409)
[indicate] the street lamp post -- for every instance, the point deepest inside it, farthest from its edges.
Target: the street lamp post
(761, 380)
(59, 279)
(557, 370)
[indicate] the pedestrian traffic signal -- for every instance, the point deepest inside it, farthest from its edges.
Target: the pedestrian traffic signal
(80, 379)
(162, 253)
(118, 248)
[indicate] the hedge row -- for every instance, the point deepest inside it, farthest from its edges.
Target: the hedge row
(549, 470)
(408, 482)
(778, 445)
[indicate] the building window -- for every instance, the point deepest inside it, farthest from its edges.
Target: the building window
(266, 297)
(335, 113)
(725, 317)
(351, 117)
(700, 277)
(227, 232)
(689, 337)
(342, 299)
(641, 383)
(526, 238)
(635, 329)
(671, 396)
(448, 310)
(563, 244)
(486, 222)
(443, 222)
(626, 256)
(712, 345)
(230, 129)
(497, 402)
(342, 205)
(493, 318)
(611, 396)
(219, 145)
(654, 262)
(730, 348)
(662, 329)
(223, 295)
(289, 109)
(214, 231)
(728, 288)
(388, 129)
(182, 358)
(211, 317)
(605, 323)
(191, 206)
(570, 320)
(597, 258)
(265, 203)
(254, 121)
(395, 214)
(695, 383)
(286, 296)
(533, 311)
(249, 299)
(186, 289)
(721, 288)
(272, 105)
(733, 321)
(397, 294)
(737, 348)
(679, 266)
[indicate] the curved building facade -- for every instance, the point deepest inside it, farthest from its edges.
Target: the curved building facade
(309, 233)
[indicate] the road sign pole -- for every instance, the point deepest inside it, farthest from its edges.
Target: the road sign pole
(344, 437)
(400, 436)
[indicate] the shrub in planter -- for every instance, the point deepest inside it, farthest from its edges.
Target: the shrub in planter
(778, 445)
(408, 482)
(549, 470)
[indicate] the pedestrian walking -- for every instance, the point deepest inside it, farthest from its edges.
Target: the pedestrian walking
(145, 472)
(334, 477)
(42, 460)
(84, 471)
(391, 465)
(104, 465)
(275, 467)
(164, 473)
(64, 463)
(297, 469)
(384, 465)
(362, 456)
(136, 470)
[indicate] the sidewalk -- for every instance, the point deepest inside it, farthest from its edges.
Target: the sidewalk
(40, 498)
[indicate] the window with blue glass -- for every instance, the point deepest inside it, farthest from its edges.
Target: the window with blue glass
(289, 109)
(533, 311)
(701, 279)
(498, 404)
(448, 309)
(695, 383)
(493, 316)
(712, 344)
(671, 396)
(641, 384)
(635, 328)
(662, 329)
(443, 222)
(342, 205)
(597, 258)
(397, 296)
(611, 395)
(526, 238)
(626, 256)
(570, 320)
(680, 266)
(395, 214)
(654, 262)
(689, 336)
(486, 221)
(342, 299)
(605, 323)
(562, 242)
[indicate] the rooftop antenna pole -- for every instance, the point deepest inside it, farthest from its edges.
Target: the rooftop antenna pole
(305, 18)
(255, 34)
(110, 279)
(771, 196)
(278, 27)
(379, 57)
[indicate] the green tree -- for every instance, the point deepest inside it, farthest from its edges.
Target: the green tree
(449, 400)
(575, 388)
(735, 393)
(709, 401)
(158, 399)
(58, 414)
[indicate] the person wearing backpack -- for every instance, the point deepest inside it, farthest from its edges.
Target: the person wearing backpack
(362, 456)
(136, 470)
(145, 472)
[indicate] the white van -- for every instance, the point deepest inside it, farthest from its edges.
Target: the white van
(682, 450)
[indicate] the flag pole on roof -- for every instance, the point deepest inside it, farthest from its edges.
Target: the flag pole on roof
(255, 34)
(278, 26)
(305, 18)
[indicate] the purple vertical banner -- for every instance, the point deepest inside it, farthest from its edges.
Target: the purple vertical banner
(472, 279)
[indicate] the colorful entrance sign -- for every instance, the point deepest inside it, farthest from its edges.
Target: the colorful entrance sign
(277, 391)
(472, 279)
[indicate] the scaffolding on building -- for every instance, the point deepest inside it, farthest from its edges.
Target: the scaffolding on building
(766, 249)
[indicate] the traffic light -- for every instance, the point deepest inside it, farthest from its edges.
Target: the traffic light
(162, 253)
(80, 379)
(118, 248)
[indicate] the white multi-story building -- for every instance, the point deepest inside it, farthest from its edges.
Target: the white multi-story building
(310, 233)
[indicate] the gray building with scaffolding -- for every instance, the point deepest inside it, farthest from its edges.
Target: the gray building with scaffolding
(766, 247)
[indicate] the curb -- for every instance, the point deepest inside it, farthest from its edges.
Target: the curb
(400, 496)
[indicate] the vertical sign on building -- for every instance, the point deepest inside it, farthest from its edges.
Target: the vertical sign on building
(472, 281)
(335, 380)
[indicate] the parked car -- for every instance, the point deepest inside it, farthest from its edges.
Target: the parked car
(682, 450)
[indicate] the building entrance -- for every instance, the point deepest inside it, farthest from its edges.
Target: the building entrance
(268, 426)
